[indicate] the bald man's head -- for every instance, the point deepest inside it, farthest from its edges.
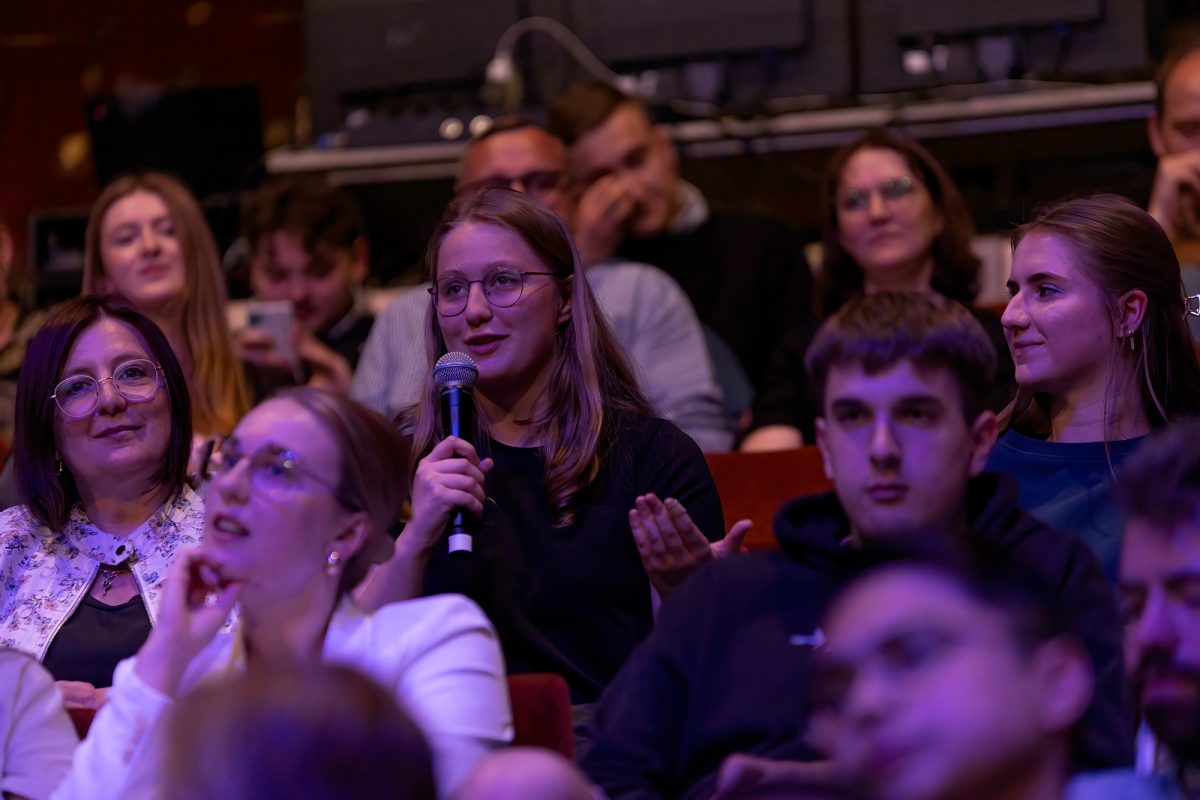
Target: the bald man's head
(525, 158)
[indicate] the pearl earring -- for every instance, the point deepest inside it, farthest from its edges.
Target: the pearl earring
(331, 562)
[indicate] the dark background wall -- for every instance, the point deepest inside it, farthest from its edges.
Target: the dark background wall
(56, 53)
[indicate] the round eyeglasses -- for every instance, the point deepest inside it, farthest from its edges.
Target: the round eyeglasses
(78, 395)
(272, 468)
(891, 190)
(501, 287)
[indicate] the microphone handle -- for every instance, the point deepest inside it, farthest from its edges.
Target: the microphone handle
(458, 419)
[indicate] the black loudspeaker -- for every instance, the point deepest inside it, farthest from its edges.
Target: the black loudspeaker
(922, 44)
(414, 59)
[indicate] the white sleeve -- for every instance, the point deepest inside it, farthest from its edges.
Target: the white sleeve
(122, 754)
(38, 737)
(453, 684)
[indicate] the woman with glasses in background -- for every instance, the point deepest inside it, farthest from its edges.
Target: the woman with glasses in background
(101, 449)
(566, 448)
(302, 496)
(892, 220)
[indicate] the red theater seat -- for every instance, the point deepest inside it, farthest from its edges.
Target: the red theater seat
(541, 706)
(755, 485)
(82, 719)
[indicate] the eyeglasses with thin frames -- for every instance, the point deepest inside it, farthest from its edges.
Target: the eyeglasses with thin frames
(891, 190)
(136, 380)
(502, 288)
(273, 469)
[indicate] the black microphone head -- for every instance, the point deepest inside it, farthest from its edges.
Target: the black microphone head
(455, 369)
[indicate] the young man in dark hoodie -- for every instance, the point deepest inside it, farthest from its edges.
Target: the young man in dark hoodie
(905, 434)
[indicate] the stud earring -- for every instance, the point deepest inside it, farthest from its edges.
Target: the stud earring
(331, 562)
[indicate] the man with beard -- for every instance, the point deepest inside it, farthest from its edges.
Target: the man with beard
(1160, 593)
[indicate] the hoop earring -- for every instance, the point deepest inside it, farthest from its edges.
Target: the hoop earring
(331, 563)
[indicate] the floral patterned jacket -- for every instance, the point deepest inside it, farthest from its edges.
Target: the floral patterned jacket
(44, 575)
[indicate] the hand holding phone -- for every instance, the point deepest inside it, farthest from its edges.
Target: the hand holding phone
(271, 332)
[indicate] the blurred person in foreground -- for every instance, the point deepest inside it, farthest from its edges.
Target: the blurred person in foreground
(305, 732)
(1160, 594)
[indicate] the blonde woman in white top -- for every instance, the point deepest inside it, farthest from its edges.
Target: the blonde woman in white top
(303, 495)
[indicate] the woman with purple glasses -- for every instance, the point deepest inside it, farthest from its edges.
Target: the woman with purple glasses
(102, 441)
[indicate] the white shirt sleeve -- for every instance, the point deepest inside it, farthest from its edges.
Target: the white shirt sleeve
(452, 681)
(37, 735)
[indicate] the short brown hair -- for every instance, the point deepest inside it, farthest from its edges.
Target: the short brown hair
(374, 471)
(877, 331)
(1160, 483)
(582, 107)
(955, 265)
(48, 494)
(313, 212)
(303, 732)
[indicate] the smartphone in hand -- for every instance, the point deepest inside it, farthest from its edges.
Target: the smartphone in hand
(276, 318)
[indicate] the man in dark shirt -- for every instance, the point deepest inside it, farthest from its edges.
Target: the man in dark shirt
(745, 274)
(905, 434)
(308, 247)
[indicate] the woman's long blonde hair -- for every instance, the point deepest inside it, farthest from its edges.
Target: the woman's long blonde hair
(216, 383)
(590, 377)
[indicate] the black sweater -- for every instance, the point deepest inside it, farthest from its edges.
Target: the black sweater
(725, 672)
(746, 276)
(575, 600)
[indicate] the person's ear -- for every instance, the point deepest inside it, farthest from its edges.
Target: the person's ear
(6, 249)
(352, 537)
(1131, 310)
(1065, 683)
(360, 260)
(983, 438)
(823, 446)
(1154, 134)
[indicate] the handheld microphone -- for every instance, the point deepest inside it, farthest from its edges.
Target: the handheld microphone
(454, 374)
